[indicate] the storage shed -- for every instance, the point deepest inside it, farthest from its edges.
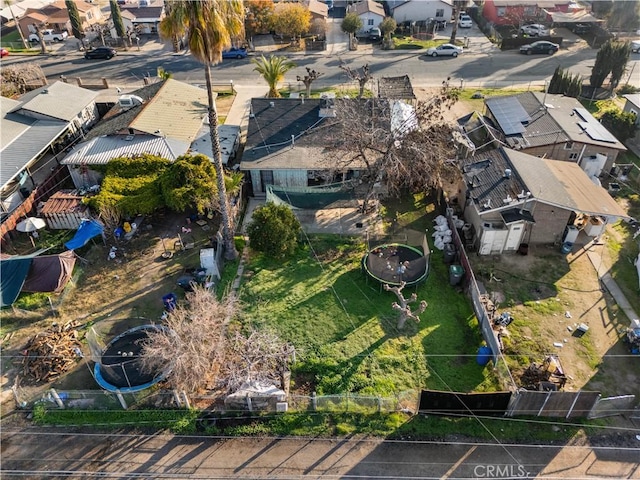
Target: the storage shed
(64, 210)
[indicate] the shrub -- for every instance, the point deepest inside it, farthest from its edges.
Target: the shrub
(274, 230)
(621, 124)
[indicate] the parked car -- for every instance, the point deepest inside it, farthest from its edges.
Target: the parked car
(465, 21)
(580, 28)
(101, 52)
(235, 53)
(372, 35)
(3, 52)
(541, 46)
(445, 50)
(49, 35)
(635, 46)
(534, 30)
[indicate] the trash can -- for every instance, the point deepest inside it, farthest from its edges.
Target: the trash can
(456, 272)
(566, 247)
(484, 355)
(449, 253)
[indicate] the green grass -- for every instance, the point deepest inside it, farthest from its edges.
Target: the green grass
(344, 329)
(401, 42)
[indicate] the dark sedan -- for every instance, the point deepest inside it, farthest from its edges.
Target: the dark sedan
(540, 47)
(101, 52)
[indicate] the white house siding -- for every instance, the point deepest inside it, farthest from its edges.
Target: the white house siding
(370, 20)
(421, 10)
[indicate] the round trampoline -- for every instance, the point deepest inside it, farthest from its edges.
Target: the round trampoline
(120, 369)
(394, 263)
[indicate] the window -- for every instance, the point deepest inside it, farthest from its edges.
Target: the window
(530, 11)
(370, 22)
(440, 13)
(573, 156)
(568, 146)
(501, 11)
(89, 16)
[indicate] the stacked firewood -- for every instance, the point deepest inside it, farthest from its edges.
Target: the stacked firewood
(51, 352)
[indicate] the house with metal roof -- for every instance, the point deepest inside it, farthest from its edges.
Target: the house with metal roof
(550, 126)
(510, 198)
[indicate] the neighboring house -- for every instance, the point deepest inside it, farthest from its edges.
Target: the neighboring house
(286, 144)
(145, 19)
(18, 9)
(319, 10)
(74, 105)
(416, 10)
(512, 198)
(55, 15)
(517, 12)
(632, 105)
(127, 22)
(165, 118)
(552, 126)
(371, 13)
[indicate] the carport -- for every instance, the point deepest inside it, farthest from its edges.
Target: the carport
(569, 18)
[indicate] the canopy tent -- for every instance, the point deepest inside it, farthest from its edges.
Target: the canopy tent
(50, 273)
(13, 272)
(86, 231)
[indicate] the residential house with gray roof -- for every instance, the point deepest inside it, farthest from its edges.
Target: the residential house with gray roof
(510, 198)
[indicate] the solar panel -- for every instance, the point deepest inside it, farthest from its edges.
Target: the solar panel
(509, 114)
(593, 128)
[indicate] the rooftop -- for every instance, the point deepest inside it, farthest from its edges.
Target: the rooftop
(60, 101)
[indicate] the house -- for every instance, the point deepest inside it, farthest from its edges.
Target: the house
(518, 12)
(552, 126)
(632, 105)
(35, 130)
(371, 13)
(416, 10)
(166, 118)
(16, 10)
(145, 18)
(319, 10)
(286, 144)
(512, 198)
(55, 15)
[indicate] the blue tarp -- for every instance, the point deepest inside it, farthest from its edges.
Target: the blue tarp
(86, 231)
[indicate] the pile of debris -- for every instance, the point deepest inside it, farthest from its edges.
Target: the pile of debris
(548, 376)
(51, 352)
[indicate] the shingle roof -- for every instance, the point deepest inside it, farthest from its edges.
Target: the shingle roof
(395, 88)
(144, 12)
(368, 6)
(61, 101)
(100, 150)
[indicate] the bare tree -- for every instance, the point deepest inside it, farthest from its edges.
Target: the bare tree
(403, 307)
(309, 78)
(393, 145)
(194, 346)
(361, 76)
(19, 78)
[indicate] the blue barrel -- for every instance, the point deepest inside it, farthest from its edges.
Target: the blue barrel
(484, 355)
(566, 247)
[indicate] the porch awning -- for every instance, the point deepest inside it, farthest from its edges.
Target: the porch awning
(514, 215)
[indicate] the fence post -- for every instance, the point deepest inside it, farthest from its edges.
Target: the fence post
(591, 413)
(249, 406)
(314, 402)
(57, 398)
(185, 399)
(544, 404)
(573, 404)
(121, 399)
(379, 400)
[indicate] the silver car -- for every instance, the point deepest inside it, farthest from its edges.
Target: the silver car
(445, 50)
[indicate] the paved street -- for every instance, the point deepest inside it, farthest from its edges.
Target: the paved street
(76, 455)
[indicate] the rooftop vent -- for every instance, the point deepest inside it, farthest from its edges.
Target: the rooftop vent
(507, 173)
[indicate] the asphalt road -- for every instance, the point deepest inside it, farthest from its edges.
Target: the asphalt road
(473, 68)
(48, 455)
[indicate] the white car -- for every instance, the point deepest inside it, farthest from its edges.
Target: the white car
(445, 50)
(465, 21)
(534, 30)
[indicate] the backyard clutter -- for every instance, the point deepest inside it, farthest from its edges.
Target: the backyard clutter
(52, 352)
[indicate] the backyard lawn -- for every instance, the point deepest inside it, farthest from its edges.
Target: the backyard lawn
(344, 329)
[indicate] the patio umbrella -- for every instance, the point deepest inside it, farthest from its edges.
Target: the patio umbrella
(31, 224)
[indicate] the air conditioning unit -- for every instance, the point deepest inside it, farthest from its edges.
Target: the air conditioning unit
(128, 101)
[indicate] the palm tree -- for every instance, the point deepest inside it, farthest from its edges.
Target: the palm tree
(272, 70)
(209, 26)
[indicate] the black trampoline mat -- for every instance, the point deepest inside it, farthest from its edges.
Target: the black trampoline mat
(120, 365)
(382, 263)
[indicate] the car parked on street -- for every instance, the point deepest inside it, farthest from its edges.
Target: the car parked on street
(100, 52)
(465, 21)
(444, 50)
(534, 30)
(635, 46)
(235, 53)
(541, 46)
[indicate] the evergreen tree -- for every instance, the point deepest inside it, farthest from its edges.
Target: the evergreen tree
(74, 18)
(116, 17)
(619, 60)
(602, 67)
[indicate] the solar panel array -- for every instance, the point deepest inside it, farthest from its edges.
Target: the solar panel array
(593, 128)
(509, 114)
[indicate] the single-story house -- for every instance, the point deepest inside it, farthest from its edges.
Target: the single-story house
(552, 126)
(416, 10)
(16, 10)
(146, 19)
(510, 198)
(632, 105)
(286, 144)
(370, 12)
(517, 12)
